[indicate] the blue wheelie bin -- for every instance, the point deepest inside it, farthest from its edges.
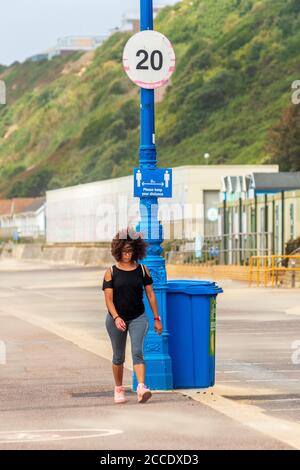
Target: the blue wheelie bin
(191, 321)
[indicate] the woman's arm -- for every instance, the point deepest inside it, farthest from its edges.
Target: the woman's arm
(153, 304)
(108, 295)
(152, 300)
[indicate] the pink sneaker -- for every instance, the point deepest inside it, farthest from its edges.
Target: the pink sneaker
(143, 393)
(120, 394)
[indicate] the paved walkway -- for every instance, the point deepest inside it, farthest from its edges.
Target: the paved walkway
(56, 385)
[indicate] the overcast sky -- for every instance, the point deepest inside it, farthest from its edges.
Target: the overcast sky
(31, 26)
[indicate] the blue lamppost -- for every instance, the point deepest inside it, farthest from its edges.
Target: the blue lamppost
(158, 361)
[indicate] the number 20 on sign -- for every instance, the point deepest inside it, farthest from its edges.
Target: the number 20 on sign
(149, 59)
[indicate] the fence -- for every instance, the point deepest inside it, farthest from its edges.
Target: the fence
(276, 270)
(15, 233)
(226, 249)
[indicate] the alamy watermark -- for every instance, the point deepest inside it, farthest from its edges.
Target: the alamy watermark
(296, 94)
(2, 353)
(2, 92)
(181, 221)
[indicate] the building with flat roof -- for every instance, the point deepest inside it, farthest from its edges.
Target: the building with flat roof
(22, 217)
(259, 214)
(94, 212)
(68, 45)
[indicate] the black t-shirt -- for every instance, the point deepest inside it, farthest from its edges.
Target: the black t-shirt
(128, 291)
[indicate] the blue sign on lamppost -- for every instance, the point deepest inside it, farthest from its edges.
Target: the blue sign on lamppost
(149, 61)
(152, 182)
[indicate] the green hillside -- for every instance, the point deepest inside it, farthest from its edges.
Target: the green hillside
(76, 119)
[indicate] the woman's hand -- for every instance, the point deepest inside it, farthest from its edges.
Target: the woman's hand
(158, 327)
(120, 324)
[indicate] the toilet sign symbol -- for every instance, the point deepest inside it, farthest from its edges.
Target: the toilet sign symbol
(155, 182)
(139, 178)
(167, 178)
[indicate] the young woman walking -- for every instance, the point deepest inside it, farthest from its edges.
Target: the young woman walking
(123, 287)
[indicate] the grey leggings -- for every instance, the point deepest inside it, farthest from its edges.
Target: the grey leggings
(137, 330)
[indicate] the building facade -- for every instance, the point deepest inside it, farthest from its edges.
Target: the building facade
(22, 218)
(68, 45)
(258, 215)
(94, 212)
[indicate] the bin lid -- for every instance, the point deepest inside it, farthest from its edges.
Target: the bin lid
(193, 286)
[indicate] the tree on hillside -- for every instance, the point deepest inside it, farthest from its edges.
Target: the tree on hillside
(35, 185)
(283, 146)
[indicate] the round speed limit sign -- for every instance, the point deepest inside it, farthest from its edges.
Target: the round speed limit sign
(149, 59)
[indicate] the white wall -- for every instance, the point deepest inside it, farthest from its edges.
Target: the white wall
(28, 224)
(95, 211)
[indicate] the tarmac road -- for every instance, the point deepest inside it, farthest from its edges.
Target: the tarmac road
(56, 383)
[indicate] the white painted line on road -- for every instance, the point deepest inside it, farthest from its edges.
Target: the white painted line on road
(268, 363)
(251, 363)
(281, 356)
(282, 399)
(228, 381)
(249, 333)
(242, 370)
(283, 409)
(264, 352)
(228, 371)
(252, 416)
(293, 311)
(46, 435)
(283, 379)
(286, 370)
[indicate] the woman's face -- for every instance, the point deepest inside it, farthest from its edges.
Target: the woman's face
(127, 253)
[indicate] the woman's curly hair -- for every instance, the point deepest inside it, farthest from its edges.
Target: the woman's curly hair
(129, 237)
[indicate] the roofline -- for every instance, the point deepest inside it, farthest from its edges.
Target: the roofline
(183, 167)
(24, 212)
(274, 190)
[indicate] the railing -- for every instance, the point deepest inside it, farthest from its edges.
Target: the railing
(236, 248)
(15, 233)
(273, 270)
